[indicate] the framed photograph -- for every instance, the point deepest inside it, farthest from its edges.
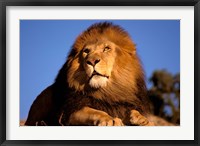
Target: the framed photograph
(99, 72)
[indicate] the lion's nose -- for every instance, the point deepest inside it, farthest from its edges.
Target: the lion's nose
(93, 62)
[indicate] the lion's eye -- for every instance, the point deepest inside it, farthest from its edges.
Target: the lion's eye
(86, 50)
(107, 48)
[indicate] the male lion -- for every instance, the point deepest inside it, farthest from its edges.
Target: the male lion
(101, 83)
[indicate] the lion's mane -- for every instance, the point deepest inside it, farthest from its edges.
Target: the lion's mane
(125, 90)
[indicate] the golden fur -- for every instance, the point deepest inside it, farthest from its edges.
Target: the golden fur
(101, 83)
(120, 63)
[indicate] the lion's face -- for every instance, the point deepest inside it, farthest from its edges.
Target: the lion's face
(98, 61)
(103, 63)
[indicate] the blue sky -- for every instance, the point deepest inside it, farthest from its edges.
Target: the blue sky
(44, 46)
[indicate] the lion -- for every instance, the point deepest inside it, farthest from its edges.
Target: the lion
(102, 83)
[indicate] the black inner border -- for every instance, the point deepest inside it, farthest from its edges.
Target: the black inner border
(5, 3)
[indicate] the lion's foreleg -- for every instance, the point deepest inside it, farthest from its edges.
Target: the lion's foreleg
(90, 116)
(137, 119)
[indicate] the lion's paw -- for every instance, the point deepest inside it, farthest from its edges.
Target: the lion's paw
(137, 119)
(108, 121)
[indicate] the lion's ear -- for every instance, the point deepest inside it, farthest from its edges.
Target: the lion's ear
(134, 52)
(131, 53)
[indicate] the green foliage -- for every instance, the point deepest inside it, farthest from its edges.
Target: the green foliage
(165, 95)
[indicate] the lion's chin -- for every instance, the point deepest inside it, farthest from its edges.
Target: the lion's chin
(98, 81)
